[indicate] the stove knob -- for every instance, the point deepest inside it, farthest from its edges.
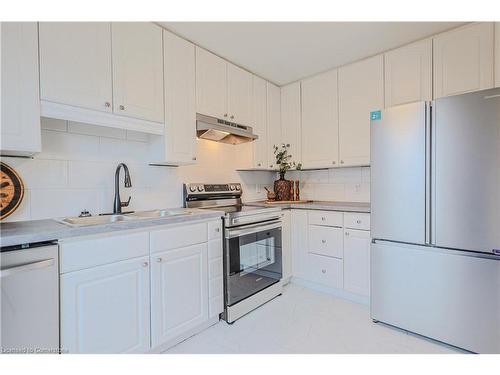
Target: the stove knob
(192, 189)
(238, 187)
(200, 188)
(232, 188)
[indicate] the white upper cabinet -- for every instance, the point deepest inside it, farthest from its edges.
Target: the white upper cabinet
(320, 121)
(20, 103)
(463, 60)
(211, 84)
(75, 64)
(239, 95)
(497, 54)
(273, 121)
(137, 70)
(259, 122)
(290, 120)
(180, 100)
(361, 90)
(408, 73)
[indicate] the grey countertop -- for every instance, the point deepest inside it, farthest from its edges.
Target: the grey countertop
(319, 205)
(22, 232)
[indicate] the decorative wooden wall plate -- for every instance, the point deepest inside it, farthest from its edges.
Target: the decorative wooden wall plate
(11, 190)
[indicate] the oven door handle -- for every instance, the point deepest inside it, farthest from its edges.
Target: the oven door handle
(250, 229)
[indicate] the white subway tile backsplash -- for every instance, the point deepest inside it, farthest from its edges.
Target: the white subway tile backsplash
(68, 146)
(39, 173)
(345, 175)
(50, 203)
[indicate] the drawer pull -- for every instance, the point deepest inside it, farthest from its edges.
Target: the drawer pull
(217, 230)
(358, 221)
(159, 260)
(346, 233)
(323, 241)
(145, 264)
(323, 218)
(323, 271)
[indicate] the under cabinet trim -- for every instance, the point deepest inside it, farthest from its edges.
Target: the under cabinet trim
(88, 116)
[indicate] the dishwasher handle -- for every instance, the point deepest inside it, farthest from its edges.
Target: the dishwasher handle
(26, 267)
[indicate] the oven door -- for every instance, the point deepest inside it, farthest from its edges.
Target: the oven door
(252, 259)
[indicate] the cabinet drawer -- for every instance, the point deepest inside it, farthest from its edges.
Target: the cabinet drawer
(328, 218)
(215, 230)
(326, 241)
(214, 268)
(357, 221)
(95, 251)
(174, 237)
(325, 270)
(214, 249)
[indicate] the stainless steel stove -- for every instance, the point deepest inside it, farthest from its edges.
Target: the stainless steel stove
(252, 246)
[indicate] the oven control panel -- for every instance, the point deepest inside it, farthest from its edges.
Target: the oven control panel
(213, 189)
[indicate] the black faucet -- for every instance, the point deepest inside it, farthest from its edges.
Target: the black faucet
(117, 207)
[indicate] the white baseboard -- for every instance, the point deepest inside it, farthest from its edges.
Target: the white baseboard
(339, 293)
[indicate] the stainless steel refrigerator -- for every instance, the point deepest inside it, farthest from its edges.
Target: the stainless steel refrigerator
(435, 201)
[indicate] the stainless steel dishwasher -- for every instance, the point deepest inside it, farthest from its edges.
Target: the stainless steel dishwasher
(29, 283)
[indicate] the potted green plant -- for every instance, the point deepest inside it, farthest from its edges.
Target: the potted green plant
(282, 187)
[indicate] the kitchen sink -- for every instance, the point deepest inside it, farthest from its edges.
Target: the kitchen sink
(160, 213)
(95, 220)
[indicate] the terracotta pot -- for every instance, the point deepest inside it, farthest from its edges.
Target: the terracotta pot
(282, 189)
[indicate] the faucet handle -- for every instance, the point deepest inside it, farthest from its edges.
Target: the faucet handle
(125, 204)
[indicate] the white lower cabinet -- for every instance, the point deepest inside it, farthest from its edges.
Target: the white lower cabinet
(332, 249)
(179, 291)
(357, 261)
(105, 309)
(286, 246)
(141, 291)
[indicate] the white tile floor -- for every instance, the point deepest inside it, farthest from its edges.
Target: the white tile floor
(305, 321)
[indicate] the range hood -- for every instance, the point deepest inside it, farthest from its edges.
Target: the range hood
(218, 130)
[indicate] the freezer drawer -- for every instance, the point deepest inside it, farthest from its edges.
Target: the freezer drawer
(447, 295)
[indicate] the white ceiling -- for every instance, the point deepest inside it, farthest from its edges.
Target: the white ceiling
(283, 52)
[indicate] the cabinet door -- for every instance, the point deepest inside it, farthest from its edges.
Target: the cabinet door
(357, 261)
(179, 292)
(463, 60)
(137, 70)
(286, 249)
(211, 84)
(290, 120)
(273, 121)
(320, 121)
(75, 64)
(180, 100)
(105, 309)
(260, 145)
(361, 90)
(20, 102)
(239, 95)
(408, 74)
(299, 242)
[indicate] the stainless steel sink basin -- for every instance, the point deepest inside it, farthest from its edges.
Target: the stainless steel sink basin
(160, 213)
(95, 220)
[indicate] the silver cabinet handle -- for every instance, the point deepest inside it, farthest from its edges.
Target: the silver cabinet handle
(225, 114)
(194, 158)
(323, 271)
(346, 233)
(358, 221)
(26, 267)
(217, 230)
(159, 260)
(145, 264)
(334, 162)
(122, 107)
(107, 104)
(323, 241)
(323, 218)
(260, 164)
(232, 116)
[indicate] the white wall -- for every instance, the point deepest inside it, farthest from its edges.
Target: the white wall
(76, 169)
